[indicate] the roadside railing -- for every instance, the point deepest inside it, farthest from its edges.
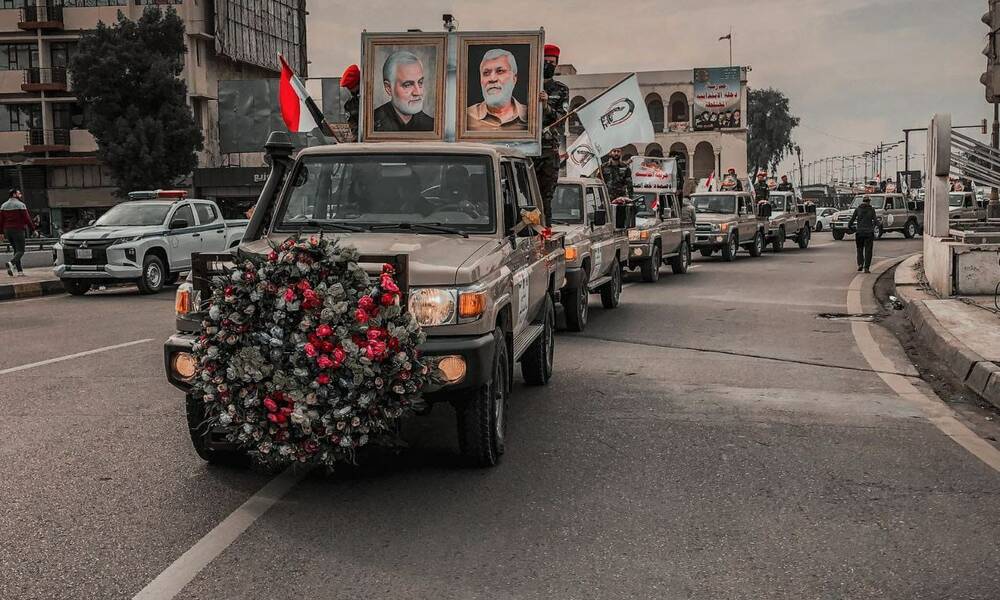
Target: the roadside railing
(30, 244)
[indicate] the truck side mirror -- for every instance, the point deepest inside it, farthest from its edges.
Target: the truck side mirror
(91, 222)
(179, 224)
(600, 217)
(811, 209)
(624, 216)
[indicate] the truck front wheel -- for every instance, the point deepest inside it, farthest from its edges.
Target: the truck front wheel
(153, 275)
(576, 304)
(910, 230)
(536, 364)
(680, 263)
(730, 249)
(611, 292)
(838, 235)
(651, 268)
(482, 418)
(757, 247)
(76, 287)
(804, 236)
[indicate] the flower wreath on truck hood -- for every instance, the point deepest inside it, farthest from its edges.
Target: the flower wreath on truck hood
(305, 358)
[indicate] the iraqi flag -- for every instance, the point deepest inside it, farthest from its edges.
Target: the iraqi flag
(617, 117)
(296, 105)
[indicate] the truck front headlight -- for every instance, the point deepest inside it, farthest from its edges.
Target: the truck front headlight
(127, 240)
(636, 235)
(432, 306)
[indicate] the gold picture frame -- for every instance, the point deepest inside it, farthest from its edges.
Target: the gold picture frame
(380, 118)
(473, 123)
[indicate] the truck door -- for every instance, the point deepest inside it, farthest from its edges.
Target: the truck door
(184, 241)
(213, 228)
(535, 276)
(891, 213)
(592, 202)
(672, 233)
(747, 218)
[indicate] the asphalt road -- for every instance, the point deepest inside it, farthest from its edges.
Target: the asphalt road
(711, 438)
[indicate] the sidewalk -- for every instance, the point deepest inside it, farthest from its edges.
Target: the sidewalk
(964, 332)
(37, 282)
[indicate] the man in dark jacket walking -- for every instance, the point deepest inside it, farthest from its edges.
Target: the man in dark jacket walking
(15, 221)
(863, 223)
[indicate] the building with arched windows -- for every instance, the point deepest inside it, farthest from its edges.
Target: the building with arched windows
(669, 97)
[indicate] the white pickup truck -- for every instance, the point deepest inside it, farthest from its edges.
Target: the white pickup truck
(148, 241)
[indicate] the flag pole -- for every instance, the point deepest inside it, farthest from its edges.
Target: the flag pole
(730, 45)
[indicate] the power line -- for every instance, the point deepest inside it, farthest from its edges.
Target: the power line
(837, 137)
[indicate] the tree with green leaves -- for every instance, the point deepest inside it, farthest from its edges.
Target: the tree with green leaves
(127, 77)
(769, 126)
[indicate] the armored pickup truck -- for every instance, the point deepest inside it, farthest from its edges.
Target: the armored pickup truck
(663, 234)
(790, 219)
(477, 271)
(894, 212)
(596, 247)
(727, 221)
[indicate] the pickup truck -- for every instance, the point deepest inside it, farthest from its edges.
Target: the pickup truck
(965, 206)
(725, 222)
(663, 234)
(596, 247)
(790, 219)
(894, 211)
(477, 269)
(148, 241)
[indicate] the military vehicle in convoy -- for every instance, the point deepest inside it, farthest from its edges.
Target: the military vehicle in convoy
(596, 247)
(476, 271)
(727, 221)
(663, 234)
(894, 212)
(790, 219)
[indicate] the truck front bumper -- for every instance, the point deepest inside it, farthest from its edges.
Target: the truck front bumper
(709, 240)
(102, 272)
(474, 352)
(639, 252)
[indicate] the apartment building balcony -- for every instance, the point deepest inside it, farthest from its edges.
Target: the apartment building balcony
(47, 79)
(34, 18)
(47, 140)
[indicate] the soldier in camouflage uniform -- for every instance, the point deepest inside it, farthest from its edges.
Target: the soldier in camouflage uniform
(351, 81)
(761, 191)
(555, 103)
(617, 175)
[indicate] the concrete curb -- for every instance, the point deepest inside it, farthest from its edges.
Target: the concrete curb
(979, 375)
(30, 289)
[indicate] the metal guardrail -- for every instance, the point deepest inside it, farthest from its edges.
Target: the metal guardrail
(975, 160)
(30, 244)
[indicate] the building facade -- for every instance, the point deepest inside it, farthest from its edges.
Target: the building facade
(45, 148)
(670, 100)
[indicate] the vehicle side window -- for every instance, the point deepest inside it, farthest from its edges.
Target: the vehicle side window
(508, 192)
(185, 213)
(742, 204)
(590, 203)
(524, 197)
(669, 208)
(968, 202)
(888, 203)
(206, 213)
(603, 195)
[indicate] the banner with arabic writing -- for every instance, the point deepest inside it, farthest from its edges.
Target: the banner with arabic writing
(717, 94)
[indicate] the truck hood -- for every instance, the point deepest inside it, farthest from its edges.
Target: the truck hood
(713, 218)
(105, 233)
(434, 260)
(574, 232)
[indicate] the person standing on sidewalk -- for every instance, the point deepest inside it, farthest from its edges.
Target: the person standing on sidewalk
(863, 223)
(15, 222)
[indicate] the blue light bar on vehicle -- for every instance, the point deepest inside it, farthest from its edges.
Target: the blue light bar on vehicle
(157, 194)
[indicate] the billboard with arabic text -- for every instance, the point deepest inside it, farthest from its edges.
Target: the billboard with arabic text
(717, 94)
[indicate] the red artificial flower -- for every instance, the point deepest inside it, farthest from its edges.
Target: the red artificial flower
(322, 379)
(311, 446)
(339, 356)
(286, 410)
(404, 376)
(361, 316)
(393, 344)
(289, 295)
(310, 350)
(280, 435)
(366, 303)
(229, 290)
(324, 330)
(327, 347)
(388, 285)
(314, 339)
(387, 268)
(359, 340)
(389, 299)
(313, 241)
(270, 405)
(303, 285)
(276, 418)
(324, 362)
(272, 256)
(375, 350)
(376, 333)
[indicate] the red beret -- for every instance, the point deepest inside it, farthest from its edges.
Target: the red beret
(552, 50)
(351, 77)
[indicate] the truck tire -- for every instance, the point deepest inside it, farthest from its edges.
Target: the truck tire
(819, 225)
(757, 247)
(778, 244)
(680, 263)
(576, 305)
(730, 249)
(910, 231)
(75, 287)
(536, 364)
(198, 429)
(804, 236)
(153, 275)
(482, 418)
(838, 235)
(706, 252)
(611, 292)
(651, 268)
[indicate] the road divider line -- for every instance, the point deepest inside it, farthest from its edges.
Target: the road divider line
(172, 580)
(72, 356)
(935, 410)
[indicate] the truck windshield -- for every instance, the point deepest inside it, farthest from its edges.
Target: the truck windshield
(363, 190)
(567, 203)
(714, 204)
(134, 215)
(955, 199)
(877, 201)
(777, 203)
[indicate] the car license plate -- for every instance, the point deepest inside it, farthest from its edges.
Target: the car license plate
(85, 253)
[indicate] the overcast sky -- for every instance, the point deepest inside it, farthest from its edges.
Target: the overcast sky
(856, 71)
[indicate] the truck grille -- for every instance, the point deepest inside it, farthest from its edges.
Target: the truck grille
(703, 228)
(98, 250)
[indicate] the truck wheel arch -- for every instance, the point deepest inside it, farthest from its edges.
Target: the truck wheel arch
(160, 252)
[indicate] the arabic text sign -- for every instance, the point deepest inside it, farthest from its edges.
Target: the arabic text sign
(650, 172)
(717, 93)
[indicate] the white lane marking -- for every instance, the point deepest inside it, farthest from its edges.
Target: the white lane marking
(936, 411)
(35, 299)
(172, 580)
(72, 356)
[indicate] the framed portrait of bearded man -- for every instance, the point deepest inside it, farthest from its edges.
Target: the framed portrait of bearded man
(499, 79)
(403, 81)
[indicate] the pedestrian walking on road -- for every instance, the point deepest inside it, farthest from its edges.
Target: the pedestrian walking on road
(15, 222)
(863, 222)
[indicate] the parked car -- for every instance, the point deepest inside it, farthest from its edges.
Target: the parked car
(894, 212)
(478, 274)
(148, 241)
(596, 247)
(663, 234)
(824, 217)
(727, 221)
